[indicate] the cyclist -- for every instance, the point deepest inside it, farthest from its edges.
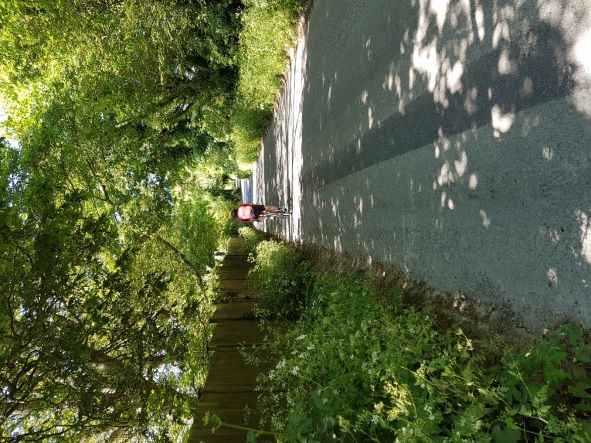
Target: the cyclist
(249, 212)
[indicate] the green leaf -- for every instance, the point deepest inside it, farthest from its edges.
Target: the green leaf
(580, 389)
(506, 434)
(553, 374)
(583, 435)
(540, 394)
(583, 406)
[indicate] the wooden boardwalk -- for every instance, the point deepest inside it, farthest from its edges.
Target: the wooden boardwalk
(229, 390)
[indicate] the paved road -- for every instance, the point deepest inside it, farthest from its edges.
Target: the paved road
(448, 139)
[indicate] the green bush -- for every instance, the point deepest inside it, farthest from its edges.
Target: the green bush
(248, 126)
(547, 391)
(269, 30)
(357, 366)
(348, 368)
(281, 279)
(252, 237)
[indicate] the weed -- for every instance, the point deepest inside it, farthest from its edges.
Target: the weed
(360, 365)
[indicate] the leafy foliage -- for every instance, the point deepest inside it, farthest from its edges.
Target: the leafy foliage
(144, 65)
(103, 264)
(94, 331)
(252, 237)
(268, 31)
(280, 278)
(358, 365)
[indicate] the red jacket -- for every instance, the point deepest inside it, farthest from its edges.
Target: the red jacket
(249, 212)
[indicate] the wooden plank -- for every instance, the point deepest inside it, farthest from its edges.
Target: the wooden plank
(235, 242)
(232, 333)
(228, 372)
(238, 400)
(237, 295)
(239, 417)
(234, 274)
(226, 356)
(227, 436)
(235, 261)
(235, 285)
(237, 250)
(230, 356)
(235, 258)
(235, 268)
(234, 411)
(233, 310)
(202, 437)
(222, 435)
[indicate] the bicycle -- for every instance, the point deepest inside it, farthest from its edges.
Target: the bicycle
(278, 213)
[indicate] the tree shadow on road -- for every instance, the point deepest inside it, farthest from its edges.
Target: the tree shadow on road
(447, 138)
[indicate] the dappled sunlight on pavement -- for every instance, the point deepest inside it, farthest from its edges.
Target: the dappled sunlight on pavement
(277, 174)
(448, 139)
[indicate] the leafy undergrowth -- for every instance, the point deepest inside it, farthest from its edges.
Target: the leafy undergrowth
(269, 30)
(358, 364)
(281, 279)
(251, 237)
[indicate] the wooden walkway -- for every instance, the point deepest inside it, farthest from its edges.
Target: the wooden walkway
(229, 390)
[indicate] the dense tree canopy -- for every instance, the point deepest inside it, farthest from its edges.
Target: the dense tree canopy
(103, 261)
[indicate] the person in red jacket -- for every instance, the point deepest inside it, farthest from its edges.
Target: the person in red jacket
(250, 212)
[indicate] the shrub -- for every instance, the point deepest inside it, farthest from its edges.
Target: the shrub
(547, 390)
(349, 368)
(252, 237)
(269, 30)
(359, 367)
(281, 279)
(248, 126)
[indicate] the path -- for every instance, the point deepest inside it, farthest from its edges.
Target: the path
(449, 139)
(229, 391)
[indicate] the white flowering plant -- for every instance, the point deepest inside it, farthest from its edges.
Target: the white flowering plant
(355, 364)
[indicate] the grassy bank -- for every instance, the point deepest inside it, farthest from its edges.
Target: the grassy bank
(358, 363)
(269, 30)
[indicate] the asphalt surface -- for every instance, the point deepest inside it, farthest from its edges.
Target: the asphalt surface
(448, 139)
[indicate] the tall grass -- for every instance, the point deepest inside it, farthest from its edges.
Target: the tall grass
(269, 30)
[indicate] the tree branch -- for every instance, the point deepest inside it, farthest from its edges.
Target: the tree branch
(185, 260)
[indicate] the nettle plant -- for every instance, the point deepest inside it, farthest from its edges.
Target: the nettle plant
(547, 391)
(356, 365)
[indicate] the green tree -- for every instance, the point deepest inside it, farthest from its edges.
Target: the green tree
(103, 288)
(90, 327)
